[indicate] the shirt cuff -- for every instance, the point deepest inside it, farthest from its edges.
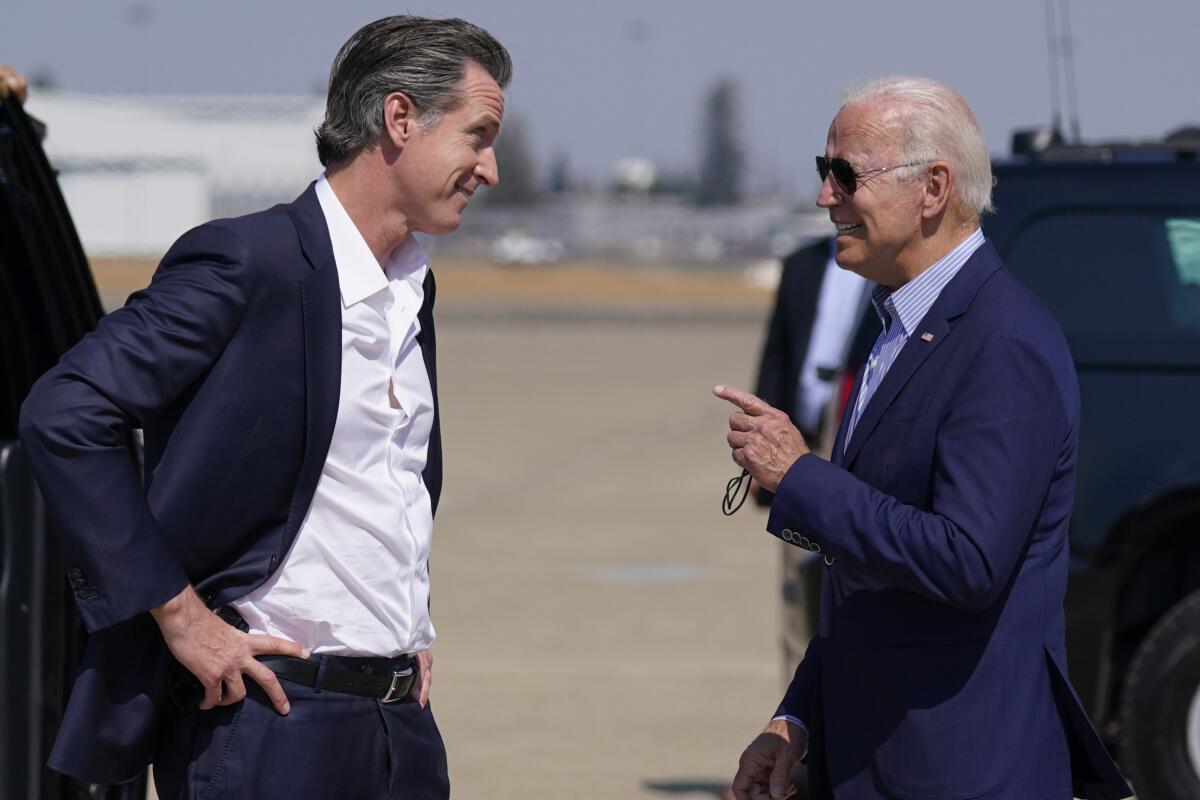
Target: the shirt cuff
(793, 720)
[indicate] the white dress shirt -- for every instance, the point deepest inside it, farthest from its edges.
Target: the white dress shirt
(356, 580)
(838, 310)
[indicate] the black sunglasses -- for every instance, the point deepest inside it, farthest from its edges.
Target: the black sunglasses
(847, 177)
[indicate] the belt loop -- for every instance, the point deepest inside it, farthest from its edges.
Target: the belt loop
(321, 673)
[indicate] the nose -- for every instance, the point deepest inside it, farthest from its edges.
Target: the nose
(487, 169)
(830, 195)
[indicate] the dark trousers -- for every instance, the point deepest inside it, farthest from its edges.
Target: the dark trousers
(330, 745)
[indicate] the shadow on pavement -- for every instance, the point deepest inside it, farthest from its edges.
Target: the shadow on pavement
(682, 787)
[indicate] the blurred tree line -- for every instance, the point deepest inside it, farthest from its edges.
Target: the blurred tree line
(717, 180)
(722, 159)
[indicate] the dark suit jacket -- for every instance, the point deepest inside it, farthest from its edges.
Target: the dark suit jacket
(230, 361)
(790, 328)
(939, 670)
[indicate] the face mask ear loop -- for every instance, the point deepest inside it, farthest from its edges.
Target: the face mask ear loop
(732, 502)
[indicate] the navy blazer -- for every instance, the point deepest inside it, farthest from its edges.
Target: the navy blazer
(230, 362)
(938, 670)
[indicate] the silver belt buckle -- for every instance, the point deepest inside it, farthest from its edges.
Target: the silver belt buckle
(392, 696)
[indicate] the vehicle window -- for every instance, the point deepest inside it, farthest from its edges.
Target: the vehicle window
(1123, 284)
(1184, 236)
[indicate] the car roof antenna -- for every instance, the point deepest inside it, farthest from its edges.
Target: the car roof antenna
(1052, 47)
(1062, 49)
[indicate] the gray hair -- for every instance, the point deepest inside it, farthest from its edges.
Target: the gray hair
(937, 124)
(423, 58)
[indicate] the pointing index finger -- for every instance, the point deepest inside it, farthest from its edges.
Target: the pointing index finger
(749, 403)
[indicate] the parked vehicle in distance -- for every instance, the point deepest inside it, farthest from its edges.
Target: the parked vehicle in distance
(1108, 236)
(516, 246)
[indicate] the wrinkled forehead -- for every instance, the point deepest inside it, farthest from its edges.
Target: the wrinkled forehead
(479, 91)
(866, 133)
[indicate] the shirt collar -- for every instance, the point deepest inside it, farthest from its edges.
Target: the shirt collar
(359, 275)
(911, 302)
(408, 261)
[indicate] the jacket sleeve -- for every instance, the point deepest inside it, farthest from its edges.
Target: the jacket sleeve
(77, 421)
(997, 451)
(801, 693)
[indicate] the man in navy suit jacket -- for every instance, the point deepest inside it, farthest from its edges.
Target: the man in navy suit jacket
(250, 343)
(938, 668)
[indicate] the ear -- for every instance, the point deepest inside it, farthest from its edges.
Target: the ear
(399, 118)
(939, 182)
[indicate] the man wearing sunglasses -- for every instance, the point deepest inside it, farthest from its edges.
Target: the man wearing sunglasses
(938, 669)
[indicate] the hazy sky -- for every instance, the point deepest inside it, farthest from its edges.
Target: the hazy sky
(603, 80)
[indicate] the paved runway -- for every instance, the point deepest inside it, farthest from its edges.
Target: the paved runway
(604, 632)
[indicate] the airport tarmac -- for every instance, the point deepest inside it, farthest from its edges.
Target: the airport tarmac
(604, 631)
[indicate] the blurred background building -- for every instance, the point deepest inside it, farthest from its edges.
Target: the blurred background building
(144, 168)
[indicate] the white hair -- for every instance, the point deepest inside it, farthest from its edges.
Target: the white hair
(937, 124)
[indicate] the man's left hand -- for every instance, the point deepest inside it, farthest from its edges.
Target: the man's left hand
(420, 688)
(763, 439)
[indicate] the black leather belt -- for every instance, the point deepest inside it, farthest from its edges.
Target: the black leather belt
(385, 679)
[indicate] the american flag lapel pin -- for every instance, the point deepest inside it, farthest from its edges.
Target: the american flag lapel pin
(926, 337)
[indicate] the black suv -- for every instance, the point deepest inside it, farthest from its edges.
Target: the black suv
(1109, 237)
(47, 303)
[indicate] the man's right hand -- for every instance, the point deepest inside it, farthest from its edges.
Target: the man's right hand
(12, 83)
(218, 654)
(764, 768)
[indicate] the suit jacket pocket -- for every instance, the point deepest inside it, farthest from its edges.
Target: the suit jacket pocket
(888, 452)
(901, 412)
(942, 720)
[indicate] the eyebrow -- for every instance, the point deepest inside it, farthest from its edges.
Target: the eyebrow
(488, 120)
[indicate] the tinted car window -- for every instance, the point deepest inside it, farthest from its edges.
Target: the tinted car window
(1124, 285)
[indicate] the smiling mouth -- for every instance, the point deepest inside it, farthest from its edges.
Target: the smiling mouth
(847, 228)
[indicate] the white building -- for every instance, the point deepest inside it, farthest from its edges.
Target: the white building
(137, 171)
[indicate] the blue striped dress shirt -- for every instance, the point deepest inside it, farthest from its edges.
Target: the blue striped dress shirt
(907, 305)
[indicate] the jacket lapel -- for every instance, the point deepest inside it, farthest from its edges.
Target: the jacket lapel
(322, 312)
(933, 330)
(915, 351)
(839, 441)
